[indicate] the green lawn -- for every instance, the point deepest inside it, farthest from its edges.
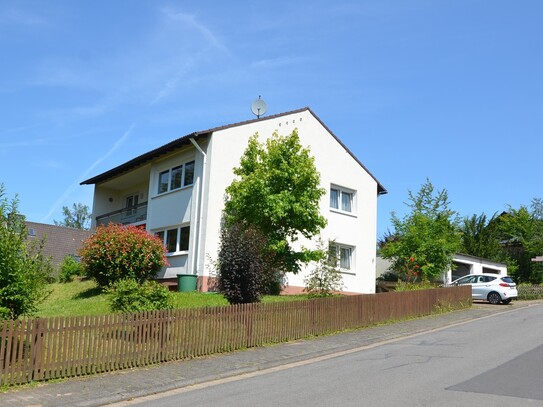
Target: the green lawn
(85, 298)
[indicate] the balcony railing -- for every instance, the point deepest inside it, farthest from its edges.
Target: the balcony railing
(125, 216)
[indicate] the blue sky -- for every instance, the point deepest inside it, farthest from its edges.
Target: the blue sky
(445, 89)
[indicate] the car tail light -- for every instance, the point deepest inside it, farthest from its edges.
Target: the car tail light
(504, 285)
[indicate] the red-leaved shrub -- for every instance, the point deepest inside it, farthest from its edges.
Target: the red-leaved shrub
(116, 252)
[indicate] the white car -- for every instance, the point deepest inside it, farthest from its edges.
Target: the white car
(490, 287)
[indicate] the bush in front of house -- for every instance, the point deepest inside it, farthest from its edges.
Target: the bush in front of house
(325, 278)
(242, 264)
(129, 295)
(69, 269)
(116, 252)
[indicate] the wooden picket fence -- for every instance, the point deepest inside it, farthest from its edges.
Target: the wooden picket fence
(49, 348)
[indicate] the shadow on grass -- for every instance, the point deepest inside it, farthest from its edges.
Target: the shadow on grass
(89, 293)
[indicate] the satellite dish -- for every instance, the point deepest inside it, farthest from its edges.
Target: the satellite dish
(259, 107)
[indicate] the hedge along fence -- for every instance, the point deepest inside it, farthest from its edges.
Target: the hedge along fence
(530, 291)
(48, 348)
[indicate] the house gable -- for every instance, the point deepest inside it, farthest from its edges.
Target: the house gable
(204, 134)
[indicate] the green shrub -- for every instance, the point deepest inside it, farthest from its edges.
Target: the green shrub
(24, 271)
(411, 286)
(128, 295)
(70, 268)
(325, 278)
(116, 252)
(530, 291)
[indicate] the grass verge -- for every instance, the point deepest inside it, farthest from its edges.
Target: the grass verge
(85, 298)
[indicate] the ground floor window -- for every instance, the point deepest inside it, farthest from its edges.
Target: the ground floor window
(343, 255)
(175, 239)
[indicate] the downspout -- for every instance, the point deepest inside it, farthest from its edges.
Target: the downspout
(199, 208)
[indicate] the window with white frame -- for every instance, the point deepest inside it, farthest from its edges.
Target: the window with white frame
(343, 255)
(175, 178)
(175, 239)
(130, 204)
(342, 199)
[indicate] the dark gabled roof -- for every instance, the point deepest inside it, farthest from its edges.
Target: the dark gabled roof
(60, 241)
(185, 140)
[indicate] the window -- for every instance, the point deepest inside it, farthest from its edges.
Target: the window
(163, 181)
(175, 239)
(177, 173)
(343, 255)
(176, 177)
(131, 202)
(341, 199)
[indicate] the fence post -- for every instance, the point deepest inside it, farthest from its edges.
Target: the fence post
(37, 349)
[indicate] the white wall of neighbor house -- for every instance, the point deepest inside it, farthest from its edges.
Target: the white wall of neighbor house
(465, 264)
(354, 229)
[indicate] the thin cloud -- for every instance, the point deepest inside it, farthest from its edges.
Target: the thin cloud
(16, 17)
(275, 62)
(62, 199)
(191, 21)
(18, 129)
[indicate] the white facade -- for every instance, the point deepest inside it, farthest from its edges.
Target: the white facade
(465, 264)
(195, 209)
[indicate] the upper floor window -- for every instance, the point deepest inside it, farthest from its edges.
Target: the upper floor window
(176, 177)
(342, 199)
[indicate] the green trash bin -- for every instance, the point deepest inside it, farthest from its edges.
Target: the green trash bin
(186, 282)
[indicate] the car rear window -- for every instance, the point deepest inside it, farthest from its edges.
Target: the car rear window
(507, 280)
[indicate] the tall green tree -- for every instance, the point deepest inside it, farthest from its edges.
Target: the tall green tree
(24, 271)
(522, 234)
(425, 239)
(78, 217)
(481, 237)
(278, 191)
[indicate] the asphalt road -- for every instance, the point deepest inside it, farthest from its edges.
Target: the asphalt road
(495, 361)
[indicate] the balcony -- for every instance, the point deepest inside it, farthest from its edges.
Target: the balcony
(125, 216)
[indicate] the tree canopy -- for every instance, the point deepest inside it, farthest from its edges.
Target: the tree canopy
(423, 241)
(277, 192)
(78, 217)
(522, 238)
(24, 271)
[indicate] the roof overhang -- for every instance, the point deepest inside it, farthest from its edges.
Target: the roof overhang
(185, 141)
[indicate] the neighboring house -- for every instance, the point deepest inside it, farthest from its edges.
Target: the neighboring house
(176, 191)
(464, 264)
(60, 241)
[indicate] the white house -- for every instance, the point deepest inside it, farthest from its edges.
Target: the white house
(177, 192)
